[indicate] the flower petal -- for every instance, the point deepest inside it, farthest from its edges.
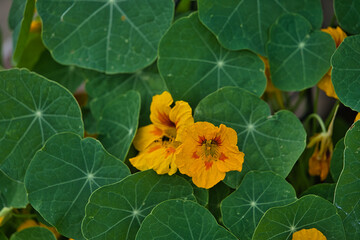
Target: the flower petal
(181, 115)
(160, 110)
(147, 135)
(308, 234)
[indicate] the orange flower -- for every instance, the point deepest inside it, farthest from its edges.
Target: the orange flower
(208, 152)
(325, 83)
(157, 142)
(357, 117)
(308, 234)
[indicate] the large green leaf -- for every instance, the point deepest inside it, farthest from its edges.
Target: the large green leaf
(179, 219)
(64, 173)
(308, 212)
(111, 36)
(258, 192)
(33, 233)
(216, 194)
(244, 24)
(32, 109)
(196, 65)
(147, 82)
(270, 142)
(345, 74)
(324, 190)
(12, 193)
(347, 191)
(116, 211)
(118, 117)
(348, 15)
(337, 159)
(298, 56)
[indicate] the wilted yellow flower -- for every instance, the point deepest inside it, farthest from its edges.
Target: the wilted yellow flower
(207, 153)
(325, 83)
(157, 142)
(308, 234)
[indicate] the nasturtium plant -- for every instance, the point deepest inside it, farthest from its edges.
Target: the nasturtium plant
(180, 119)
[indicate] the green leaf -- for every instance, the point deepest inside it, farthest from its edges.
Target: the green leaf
(347, 191)
(68, 76)
(62, 176)
(258, 192)
(32, 109)
(270, 142)
(308, 212)
(110, 36)
(179, 219)
(345, 72)
(147, 82)
(244, 24)
(348, 15)
(33, 233)
(2, 236)
(12, 193)
(216, 194)
(118, 117)
(201, 195)
(32, 51)
(116, 211)
(324, 190)
(336, 164)
(196, 65)
(298, 56)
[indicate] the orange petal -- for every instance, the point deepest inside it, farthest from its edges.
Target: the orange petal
(146, 135)
(308, 234)
(207, 177)
(326, 85)
(233, 159)
(357, 117)
(160, 110)
(336, 33)
(181, 115)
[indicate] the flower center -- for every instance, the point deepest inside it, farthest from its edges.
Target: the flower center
(210, 148)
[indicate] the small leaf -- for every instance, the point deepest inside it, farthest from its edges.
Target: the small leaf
(33, 233)
(62, 176)
(258, 192)
(324, 190)
(179, 219)
(270, 142)
(308, 212)
(337, 160)
(107, 35)
(12, 193)
(347, 191)
(32, 109)
(348, 15)
(345, 74)
(196, 65)
(298, 56)
(117, 211)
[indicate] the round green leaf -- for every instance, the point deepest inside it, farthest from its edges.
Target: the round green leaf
(117, 211)
(194, 65)
(32, 109)
(110, 36)
(33, 233)
(347, 191)
(270, 142)
(348, 15)
(324, 190)
(308, 212)
(62, 176)
(337, 159)
(259, 191)
(147, 82)
(298, 56)
(179, 219)
(118, 117)
(244, 24)
(345, 74)
(12, 193)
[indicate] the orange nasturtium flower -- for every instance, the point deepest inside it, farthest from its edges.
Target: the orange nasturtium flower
(325, 83)
(158, 141)
(308, 234)
(207, 153)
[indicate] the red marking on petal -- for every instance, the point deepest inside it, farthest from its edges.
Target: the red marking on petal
(157, 132)
(170, 151)
(195, 155)
(223, 157)
(217, 140)
(201, 140)
(208, 165)
(164, 119)
(154, 149)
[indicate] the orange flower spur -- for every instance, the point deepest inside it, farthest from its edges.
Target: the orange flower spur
(157, 142)
(208, 152)
(308, 234)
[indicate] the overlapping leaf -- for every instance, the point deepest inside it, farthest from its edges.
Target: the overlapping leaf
(196, 65)
(308, 212)
(110, 36)
(179, 219)
(244, 24)
(258, 192)
(62, 176)
(32, 109)
(337, 160)
(117, 211)
(12, 193)
(347, 192)
(345, 73)
(324, 190)
(298, 56)
(270, 142)
(348, 15)
(33, 233)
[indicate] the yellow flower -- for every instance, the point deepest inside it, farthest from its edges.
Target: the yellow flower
(157, 142)
(357, 117)
(207, 153)
(308, 234)
(325, 83)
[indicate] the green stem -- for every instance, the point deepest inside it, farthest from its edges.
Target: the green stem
(319, 120)
(23, 215)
